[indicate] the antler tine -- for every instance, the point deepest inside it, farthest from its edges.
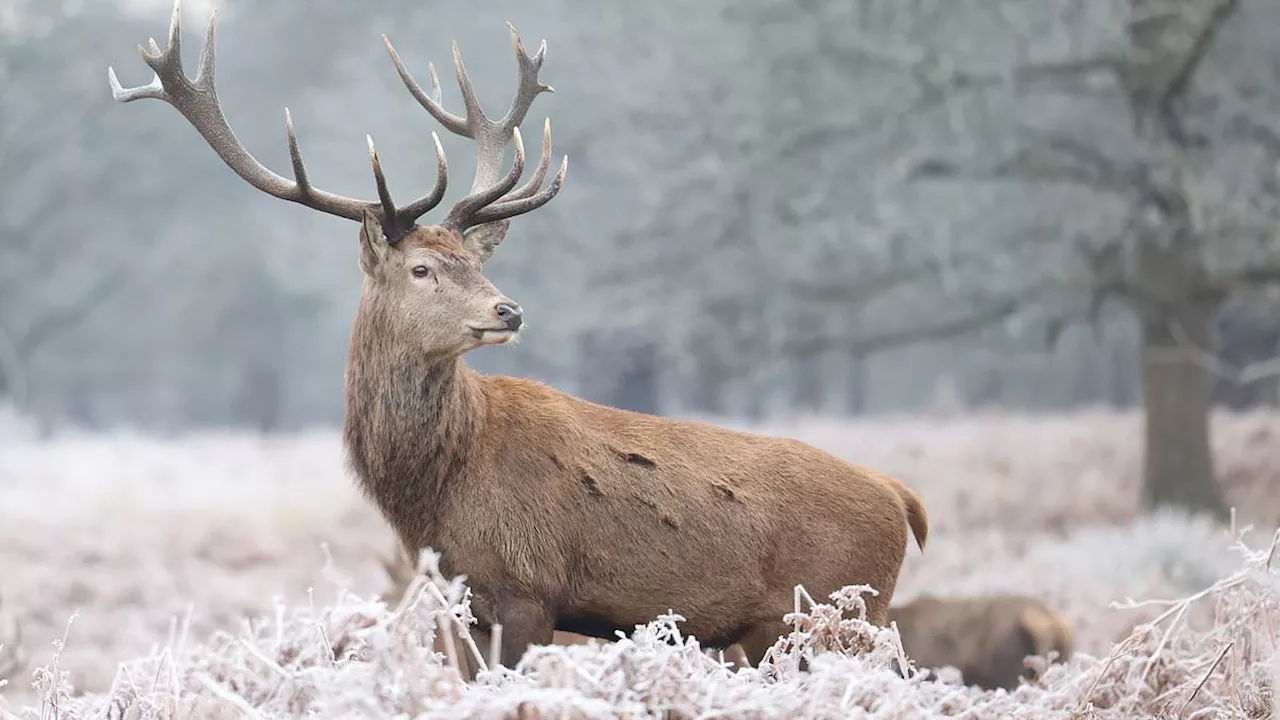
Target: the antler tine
(477, 122)
(430, 103)
(205, 68)
(489, 187)
(462, 215)
(169, 62)
(389, 216)
(295, 156)
(423, 205)
(197, 101)
(539, 174)
(511, 208)
(492, 137)
(527, 87)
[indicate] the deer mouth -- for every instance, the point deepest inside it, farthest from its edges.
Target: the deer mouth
(493, 335)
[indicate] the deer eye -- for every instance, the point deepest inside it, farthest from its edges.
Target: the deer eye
(421, 271)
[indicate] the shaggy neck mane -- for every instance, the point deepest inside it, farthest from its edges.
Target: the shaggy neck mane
(411, 422)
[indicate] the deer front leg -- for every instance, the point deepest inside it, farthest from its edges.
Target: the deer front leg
(524, 622)
(480, 636)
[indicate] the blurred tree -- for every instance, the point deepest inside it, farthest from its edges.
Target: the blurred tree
(734, 197)
(1193, 183)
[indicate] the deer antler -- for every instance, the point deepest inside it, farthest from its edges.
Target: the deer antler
(197, 101)
(491, 198)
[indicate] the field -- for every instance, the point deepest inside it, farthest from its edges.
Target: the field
(228, 575)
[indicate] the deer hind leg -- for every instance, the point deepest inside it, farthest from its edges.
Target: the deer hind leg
(760, 638)
(736, 657)
(878, 606)
(524, 623)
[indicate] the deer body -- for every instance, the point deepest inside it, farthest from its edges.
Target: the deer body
(563, 514)
(986, 638)
(597, 519)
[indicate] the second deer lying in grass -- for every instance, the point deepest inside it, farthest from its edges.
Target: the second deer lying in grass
(988, 639)
(563, 514)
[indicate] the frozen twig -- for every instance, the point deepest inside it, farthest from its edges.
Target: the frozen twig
(1124, 647)
(266, 661)
(443, 625)
(1205, 679)
(1188, 350)
(495, 645)
(231, 697)
(1164, 639)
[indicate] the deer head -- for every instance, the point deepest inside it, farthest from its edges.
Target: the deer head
(425, 281)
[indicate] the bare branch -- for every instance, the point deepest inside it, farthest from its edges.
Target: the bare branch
(860, 289)
(941, 74)
(1073, 69)
(1258, 276)
(979, 319)
(1189, 351)
(1256, 130)
(1169, 48)
(1051, 158)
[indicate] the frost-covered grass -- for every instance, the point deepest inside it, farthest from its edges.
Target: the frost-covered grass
(190, 562)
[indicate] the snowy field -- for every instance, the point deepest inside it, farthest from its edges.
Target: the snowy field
(227, 575)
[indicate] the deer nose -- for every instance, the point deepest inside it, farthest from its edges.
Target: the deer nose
(510, 314)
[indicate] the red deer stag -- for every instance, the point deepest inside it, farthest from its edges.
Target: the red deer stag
(563, 514)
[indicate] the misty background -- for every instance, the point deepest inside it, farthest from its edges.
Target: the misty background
(771, 208)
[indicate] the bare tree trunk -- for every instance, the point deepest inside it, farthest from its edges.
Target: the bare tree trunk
(1178, 459)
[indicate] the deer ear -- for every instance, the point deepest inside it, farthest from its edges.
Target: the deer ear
(482, 240)
(373, 243)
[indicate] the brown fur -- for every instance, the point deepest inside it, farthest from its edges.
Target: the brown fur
(568, 515)
(986, 638)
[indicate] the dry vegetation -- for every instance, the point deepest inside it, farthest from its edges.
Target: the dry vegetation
(191, 562)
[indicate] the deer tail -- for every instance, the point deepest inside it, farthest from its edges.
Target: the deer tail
(917, 518)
